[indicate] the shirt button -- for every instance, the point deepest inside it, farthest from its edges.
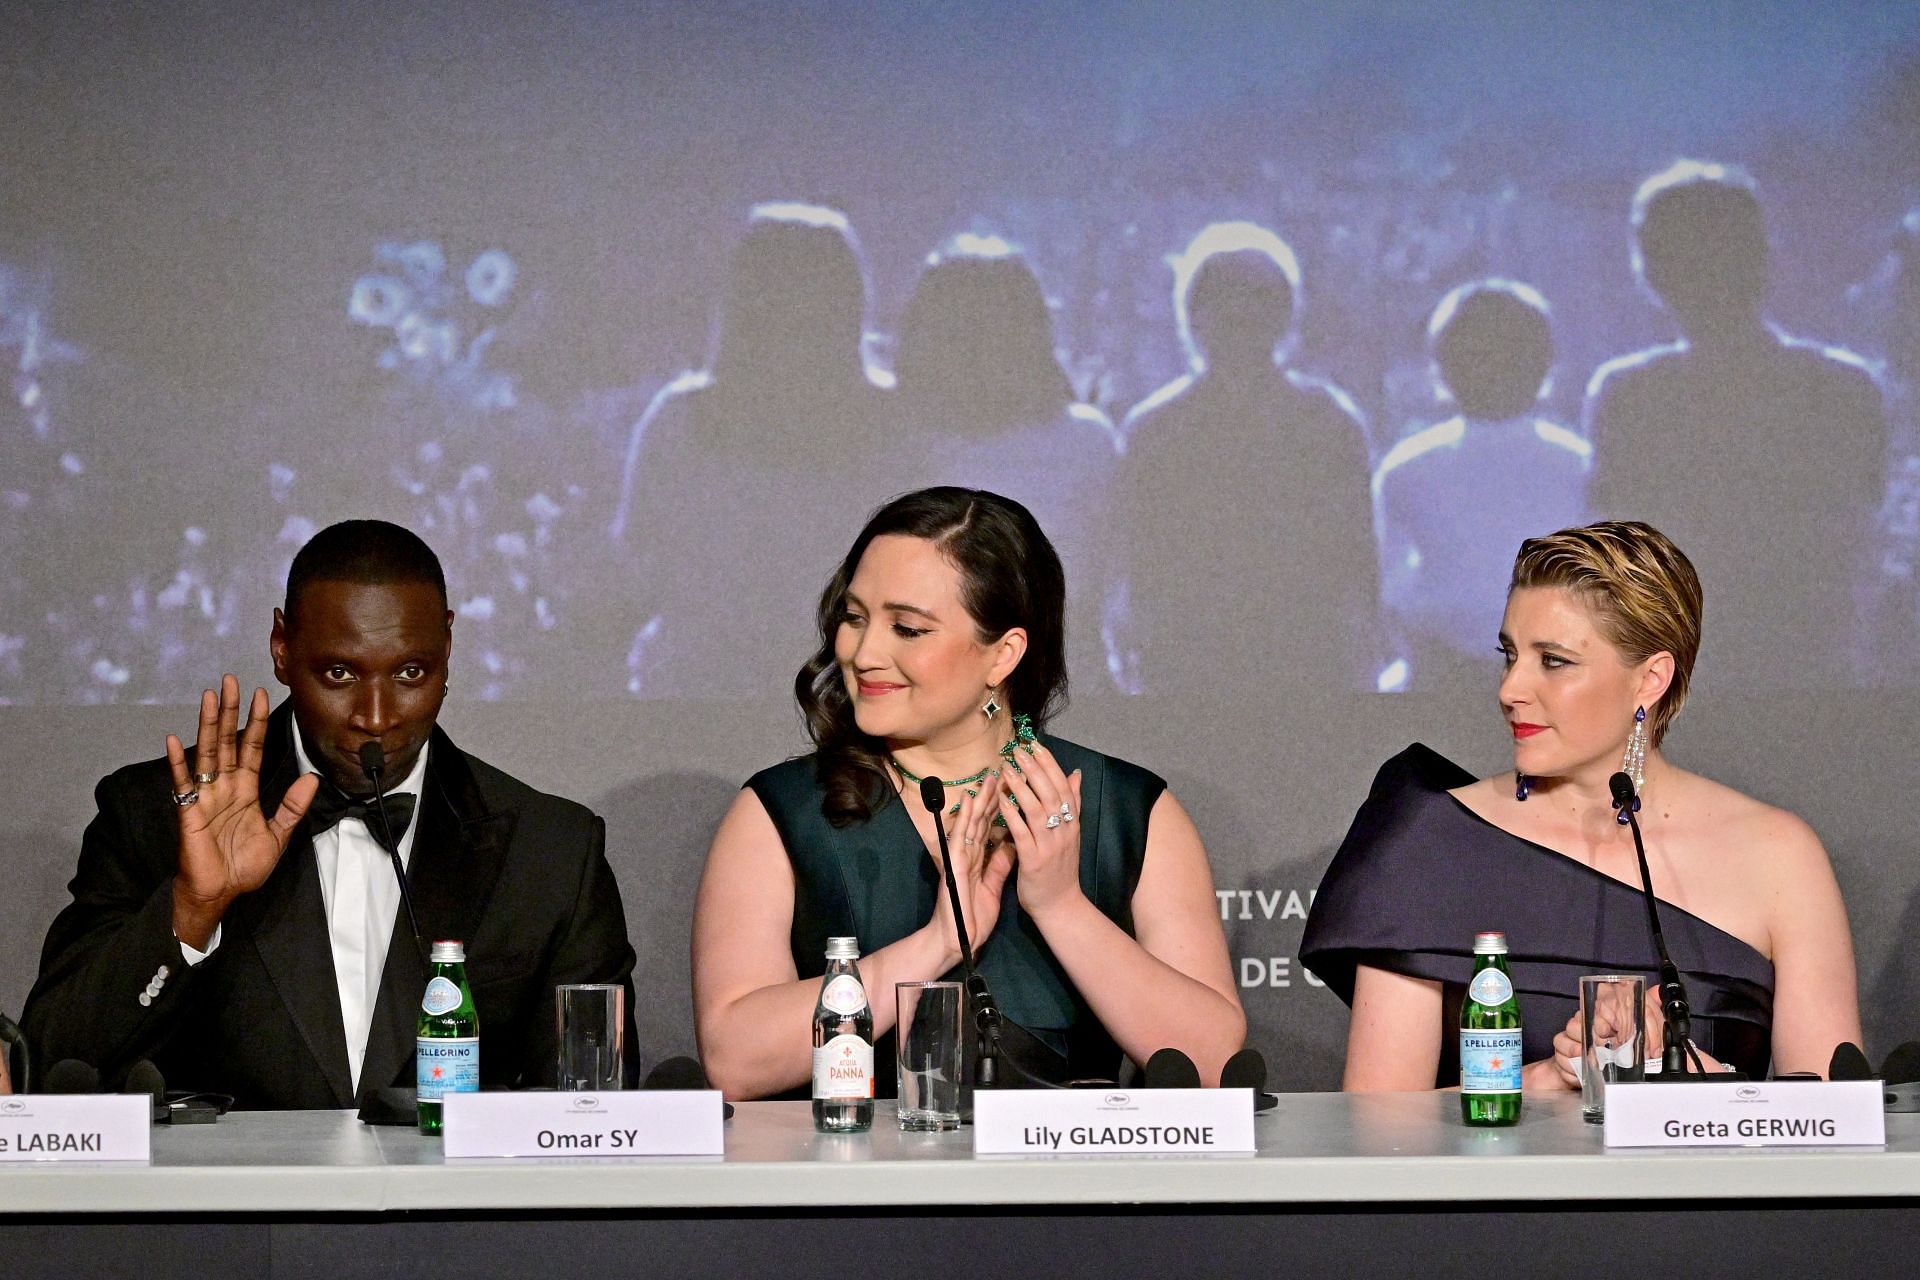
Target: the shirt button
(146, 999)
(164, 973)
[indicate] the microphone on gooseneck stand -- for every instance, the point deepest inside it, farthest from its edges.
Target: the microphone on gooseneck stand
(70, 1075)
(1901, 1074)
(986, 1014)
(144, 1077)
(1677, 1014)
(1848, 1063)
(373, 763)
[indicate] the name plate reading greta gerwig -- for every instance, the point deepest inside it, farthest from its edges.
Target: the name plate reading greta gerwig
(76, 1127)
(1026, 1122)
(1778, 1113)
(655, 1122)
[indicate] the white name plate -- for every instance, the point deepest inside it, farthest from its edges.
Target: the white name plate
(1022, 1122)
(39, 1126)
(1780, 1113)
(654, 1122)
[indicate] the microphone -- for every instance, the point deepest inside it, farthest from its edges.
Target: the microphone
(1677, 1014)
(682, 1072)
(677, 1073)
(1171, 1069)
(13, 1043)
(986, 1014)
(1849, 1063)
(1902, 1065)
(373, 763)
(1248, 1070)
(70, 1075)
(144, 1077)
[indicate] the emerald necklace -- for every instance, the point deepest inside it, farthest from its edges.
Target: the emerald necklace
(1023, 736)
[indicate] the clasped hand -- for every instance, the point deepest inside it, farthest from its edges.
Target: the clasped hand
(1004, 822)
(228, 846)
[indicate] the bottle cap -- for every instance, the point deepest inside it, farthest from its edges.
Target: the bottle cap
(843, 948)
(1490, 942)
(454, 952)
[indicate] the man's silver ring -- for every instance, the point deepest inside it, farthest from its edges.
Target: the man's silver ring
(186, 798)
(206, 779)
(1053, 820)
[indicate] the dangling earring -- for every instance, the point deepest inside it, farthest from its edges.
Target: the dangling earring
(1634, 762)
(991, 707)
(1522, 786)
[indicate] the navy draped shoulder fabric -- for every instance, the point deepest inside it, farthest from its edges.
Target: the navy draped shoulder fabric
(874, 881)
(1419, 873)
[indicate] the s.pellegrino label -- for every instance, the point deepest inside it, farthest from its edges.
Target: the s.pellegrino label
(1490, 1039)
(842, 1044)
(446, 1047)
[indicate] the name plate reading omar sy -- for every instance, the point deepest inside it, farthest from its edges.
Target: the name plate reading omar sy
(1022, 1122)
(655, 1122)
(1778, 1113)
(77, 1127)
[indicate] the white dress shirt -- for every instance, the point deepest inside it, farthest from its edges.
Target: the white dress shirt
(363, 901)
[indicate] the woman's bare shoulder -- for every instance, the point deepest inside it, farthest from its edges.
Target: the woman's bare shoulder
(1743, 825)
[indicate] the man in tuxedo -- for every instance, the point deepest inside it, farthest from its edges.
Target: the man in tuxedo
(236, 916)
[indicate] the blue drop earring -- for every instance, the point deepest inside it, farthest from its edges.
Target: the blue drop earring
(1522, 786)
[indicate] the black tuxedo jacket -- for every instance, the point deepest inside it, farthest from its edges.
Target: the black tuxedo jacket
(519, 876)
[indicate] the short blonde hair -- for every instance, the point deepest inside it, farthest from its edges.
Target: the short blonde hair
(1641, 587)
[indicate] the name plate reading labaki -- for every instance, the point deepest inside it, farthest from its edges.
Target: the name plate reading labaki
(655, 1122)
(1778, 1113)
(1023, 1122)
(81, 1128)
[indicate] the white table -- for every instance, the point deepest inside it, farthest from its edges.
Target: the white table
(1380, 1177)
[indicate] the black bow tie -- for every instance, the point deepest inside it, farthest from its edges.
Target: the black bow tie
(331, 806)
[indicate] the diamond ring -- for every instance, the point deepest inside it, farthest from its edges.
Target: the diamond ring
(1053, 820)
(186, 798)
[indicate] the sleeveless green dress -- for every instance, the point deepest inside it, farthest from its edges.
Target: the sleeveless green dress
(874, 881)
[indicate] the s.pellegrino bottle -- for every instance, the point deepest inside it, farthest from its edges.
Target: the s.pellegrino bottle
(1490, 1038)
(842, 1045)
(447, 1040)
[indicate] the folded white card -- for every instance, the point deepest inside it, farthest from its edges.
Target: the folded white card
(1111, 1121)
(40, 1126)
(655, 1122)
(1777, 1113)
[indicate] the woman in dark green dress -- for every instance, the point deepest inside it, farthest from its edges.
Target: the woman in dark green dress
(1087, 894)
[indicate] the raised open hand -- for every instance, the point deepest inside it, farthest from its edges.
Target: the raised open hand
(1041, 805)
(227, 845)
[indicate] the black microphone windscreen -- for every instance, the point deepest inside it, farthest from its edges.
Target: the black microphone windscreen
(1245, 1070)
(373, 757)
(1171, 1069)
(933, 795)
(1848, 1063)
(70, 1075)
(145, 1078)
(1902, 1065)
(677, 1073)
(1622, 787)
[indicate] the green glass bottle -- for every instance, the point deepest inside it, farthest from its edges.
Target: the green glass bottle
(1490, 1038)
(447, 1040)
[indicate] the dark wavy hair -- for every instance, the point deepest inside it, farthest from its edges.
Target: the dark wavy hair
(1010, 577)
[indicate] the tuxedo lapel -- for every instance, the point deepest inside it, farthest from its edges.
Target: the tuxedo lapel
(286, 921)
(456, 857)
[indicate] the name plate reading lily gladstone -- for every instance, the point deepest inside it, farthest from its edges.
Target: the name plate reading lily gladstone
(77, 1127)
(1777, 1113)
(1025, 1122)
(659, 1122)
